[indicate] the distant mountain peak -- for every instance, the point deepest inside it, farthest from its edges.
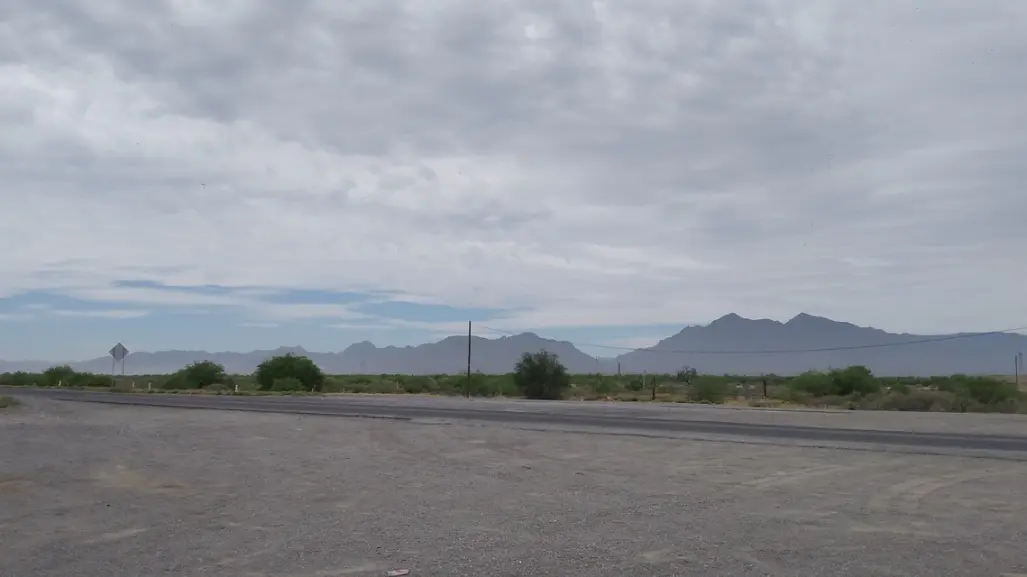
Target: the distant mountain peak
(728, 319)
(361, 346)
(805, 318)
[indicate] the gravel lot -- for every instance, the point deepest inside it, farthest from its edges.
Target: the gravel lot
(105, 491)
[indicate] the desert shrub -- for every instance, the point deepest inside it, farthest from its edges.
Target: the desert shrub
(854, 380)
(59, 375)
(488, 386)
(709, 391)
(917, 400)
(286, 384)
(900, 388)
(813, 383)
(385, 386)
(177, 381)
(790, 394)
(416, 385)
(203, 374)
(541, 376)
(289, 366)
(988, 391)
(91, 380)
(1008, 406)
(198, 375)
(836, 401)
(21, 379)
(357, 388)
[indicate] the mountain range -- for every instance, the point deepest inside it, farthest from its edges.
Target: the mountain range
(729, 345)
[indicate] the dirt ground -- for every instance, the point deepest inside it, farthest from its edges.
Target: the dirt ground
(106, 491)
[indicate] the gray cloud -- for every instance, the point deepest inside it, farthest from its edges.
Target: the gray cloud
(861, 160)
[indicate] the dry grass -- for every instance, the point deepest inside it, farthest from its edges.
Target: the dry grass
(6, 402)
(1013, 379)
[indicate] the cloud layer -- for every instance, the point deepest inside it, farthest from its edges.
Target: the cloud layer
(576, 163)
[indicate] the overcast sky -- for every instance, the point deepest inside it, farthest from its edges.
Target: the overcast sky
(246, 173)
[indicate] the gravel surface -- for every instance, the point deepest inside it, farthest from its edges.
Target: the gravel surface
(106, 491)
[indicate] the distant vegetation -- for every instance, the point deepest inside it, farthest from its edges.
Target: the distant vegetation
(542, 376)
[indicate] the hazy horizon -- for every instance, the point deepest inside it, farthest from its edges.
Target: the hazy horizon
(590, 348)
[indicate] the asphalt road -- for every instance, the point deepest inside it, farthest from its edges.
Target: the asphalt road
(583, 415)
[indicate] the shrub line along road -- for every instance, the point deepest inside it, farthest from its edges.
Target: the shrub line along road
(543, 413)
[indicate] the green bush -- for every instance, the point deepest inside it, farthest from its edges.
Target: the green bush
(813, 383)
(177, 381)
(854, 380)
(20, 379)
(900, 388)
(286, 384)
(541, 376)
(603, 387)
(790, 394)
(198, 375)
(91, 380)
(203, 374)
(709, 391)
(289, 366)
(988, 391)
(58, 375)
(417, 385)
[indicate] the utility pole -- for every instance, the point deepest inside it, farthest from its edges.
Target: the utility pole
(468, 359)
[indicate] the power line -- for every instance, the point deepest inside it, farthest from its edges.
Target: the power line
(786, 351)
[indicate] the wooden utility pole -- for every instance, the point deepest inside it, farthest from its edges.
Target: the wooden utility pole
(468, 359)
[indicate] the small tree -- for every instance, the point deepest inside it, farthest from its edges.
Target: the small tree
(62, 374)
(856, 379)
(686, 374)
(541, 376)
(204, 374)
(298, 367)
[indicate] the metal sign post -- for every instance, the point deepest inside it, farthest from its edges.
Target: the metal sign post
(118, 354)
